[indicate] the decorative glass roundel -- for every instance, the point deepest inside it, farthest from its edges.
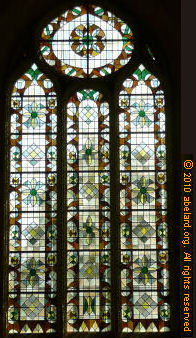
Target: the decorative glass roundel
(87, 41)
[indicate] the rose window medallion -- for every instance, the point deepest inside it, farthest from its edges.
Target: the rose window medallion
(88, 40)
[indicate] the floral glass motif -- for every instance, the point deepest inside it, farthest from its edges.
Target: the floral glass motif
(87, 41)
(88, 215)
(32, 232)
(143, 210)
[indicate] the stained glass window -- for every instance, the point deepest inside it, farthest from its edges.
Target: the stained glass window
(88, 214)
(32, 234)
(87, 41)
(143, 209)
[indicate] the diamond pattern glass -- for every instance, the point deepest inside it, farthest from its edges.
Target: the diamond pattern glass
(88, 217)
(143, 209)
(32, 232)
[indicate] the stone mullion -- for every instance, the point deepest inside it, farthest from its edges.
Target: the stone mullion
(115, 211)
(61, 233)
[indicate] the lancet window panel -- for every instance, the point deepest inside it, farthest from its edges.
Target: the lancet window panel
(145, 304)
(88, 213)
(143, 209)
(33, 206)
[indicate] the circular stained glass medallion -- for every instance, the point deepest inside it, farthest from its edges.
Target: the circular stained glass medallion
(87, 41)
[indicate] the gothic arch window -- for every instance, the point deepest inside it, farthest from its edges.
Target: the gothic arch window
(88, 225)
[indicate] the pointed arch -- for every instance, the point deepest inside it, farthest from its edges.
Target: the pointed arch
(143, 212)
(111, 82)
(33, 197)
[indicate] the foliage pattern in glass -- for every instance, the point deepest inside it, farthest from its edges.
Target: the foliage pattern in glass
(143, 209)
(87, 41)
(88, 213)
(32, 204)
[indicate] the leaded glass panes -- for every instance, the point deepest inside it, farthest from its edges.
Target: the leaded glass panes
(87, 41)
(88, 213)
(143, 209)
(32, 232)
